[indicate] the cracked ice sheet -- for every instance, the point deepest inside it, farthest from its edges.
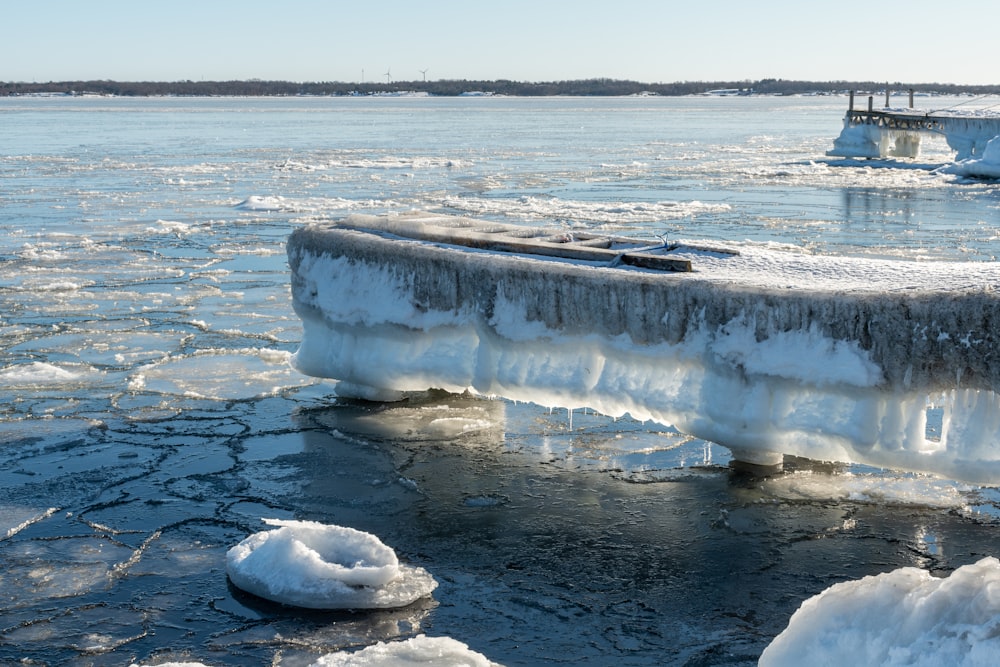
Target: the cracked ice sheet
(455, 483)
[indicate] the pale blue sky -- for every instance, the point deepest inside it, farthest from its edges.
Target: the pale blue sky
(525, 40)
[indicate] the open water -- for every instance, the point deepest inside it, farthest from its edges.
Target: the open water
(150, 420)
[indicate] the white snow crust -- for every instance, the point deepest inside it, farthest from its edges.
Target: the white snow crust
(319, 566)
(904, 617)
(420, 650)
(768, 352)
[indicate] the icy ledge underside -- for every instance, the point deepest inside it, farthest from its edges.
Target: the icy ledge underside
(838, 375)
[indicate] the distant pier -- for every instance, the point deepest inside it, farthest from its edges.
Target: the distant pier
(888, 132)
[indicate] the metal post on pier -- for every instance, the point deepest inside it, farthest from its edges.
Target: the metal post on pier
(850, 102)
(886, 94)
(871, 101)
(911, 98)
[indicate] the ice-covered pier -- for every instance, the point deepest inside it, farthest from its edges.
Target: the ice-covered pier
(889, 132)
(768, 352)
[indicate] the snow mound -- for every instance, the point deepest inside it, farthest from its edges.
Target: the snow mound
(904, 617)
(309, 564)
(420, 650)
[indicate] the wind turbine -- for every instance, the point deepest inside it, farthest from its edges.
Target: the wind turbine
(388, 76)
(424, 72)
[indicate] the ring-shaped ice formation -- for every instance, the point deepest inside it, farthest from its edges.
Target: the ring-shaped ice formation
(320, 566)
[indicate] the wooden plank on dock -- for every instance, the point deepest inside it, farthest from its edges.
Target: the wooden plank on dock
(483, 235)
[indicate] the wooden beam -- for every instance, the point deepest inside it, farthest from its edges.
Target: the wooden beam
(514, 239)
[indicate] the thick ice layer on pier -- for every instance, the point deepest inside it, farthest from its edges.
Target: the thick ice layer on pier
(969, 136)
(768, 352)
(986, 166)
(897, 132)
(872, 141)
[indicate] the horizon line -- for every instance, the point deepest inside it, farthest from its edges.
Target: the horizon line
(596, 79)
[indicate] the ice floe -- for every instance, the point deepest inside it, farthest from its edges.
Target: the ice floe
(319, 566)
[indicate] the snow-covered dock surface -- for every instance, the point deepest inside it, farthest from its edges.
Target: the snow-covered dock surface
(768, 351)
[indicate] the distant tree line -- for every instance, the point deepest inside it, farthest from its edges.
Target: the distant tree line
(453, 87)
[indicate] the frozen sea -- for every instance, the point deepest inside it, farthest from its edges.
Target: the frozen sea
(150, 419)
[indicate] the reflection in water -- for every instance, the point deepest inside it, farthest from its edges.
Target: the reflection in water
(318, 629)
(535, 547)
(641, 539)
(430, 416)
(918, 222)
(867, 207)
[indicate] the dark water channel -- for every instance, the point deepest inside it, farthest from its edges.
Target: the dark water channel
(554, 540)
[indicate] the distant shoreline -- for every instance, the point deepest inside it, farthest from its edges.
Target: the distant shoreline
(460, 87)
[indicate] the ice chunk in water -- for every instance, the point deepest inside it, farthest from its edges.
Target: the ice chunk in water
(309, 564)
